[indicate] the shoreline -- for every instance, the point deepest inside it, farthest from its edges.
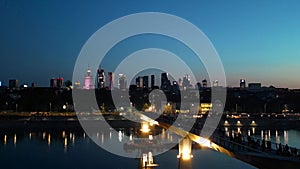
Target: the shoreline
(73, 122)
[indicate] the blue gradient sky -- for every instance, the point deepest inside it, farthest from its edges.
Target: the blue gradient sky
(256, 40)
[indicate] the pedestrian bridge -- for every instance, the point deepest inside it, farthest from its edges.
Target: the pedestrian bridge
(267, 156)
(242, 150)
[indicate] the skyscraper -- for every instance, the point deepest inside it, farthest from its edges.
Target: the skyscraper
(100, 79)
(57, 82)
(165, 82)
(152, 81)
(179, 82)
(110, 80)
(53, 82)
(204, 83)
(186, 81)
(88, 81)
(60, 82)
(145, 81)
(122, 81)
(242, 83)
(139, 81)
(13, 83)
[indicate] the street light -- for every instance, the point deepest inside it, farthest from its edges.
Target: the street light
(64, 107)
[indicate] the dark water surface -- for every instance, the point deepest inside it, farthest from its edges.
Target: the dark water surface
(73, 149)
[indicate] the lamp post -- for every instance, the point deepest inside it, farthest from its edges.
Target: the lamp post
(50, 104)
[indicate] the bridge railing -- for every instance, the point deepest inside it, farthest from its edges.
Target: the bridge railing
(273, 147)
(242, 144)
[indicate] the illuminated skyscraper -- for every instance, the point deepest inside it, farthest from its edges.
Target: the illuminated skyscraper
(60, 82)
(100, 79)
(88, 81)
(57, 82)
(242, 83)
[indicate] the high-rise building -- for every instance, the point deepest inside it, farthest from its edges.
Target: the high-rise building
(60, 82)
(145, 81)
(179, 82)
(110, 80)
(186, 81)
(33, 85)
(204, 83)
(152, 81)
(242, 83)
(88, 80)
(122, 81)
(53, 82)
(100, 79)
(57, 82)
(139, 81)
(13, 84)
(165, 82)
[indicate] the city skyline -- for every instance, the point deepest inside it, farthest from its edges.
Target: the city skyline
(256, 41)
(91, 83)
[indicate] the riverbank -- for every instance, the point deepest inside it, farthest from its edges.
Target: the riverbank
(70, 119)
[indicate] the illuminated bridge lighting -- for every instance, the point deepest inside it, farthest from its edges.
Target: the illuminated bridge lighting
(238, 123)
(145, 127)
(204, 142)
(185, 149)
(5, 139)
(226, 123)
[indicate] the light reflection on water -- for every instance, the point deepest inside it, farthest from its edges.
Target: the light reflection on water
(74, 149)
(290, 137)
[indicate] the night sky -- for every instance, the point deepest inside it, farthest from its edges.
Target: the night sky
(256, 40)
